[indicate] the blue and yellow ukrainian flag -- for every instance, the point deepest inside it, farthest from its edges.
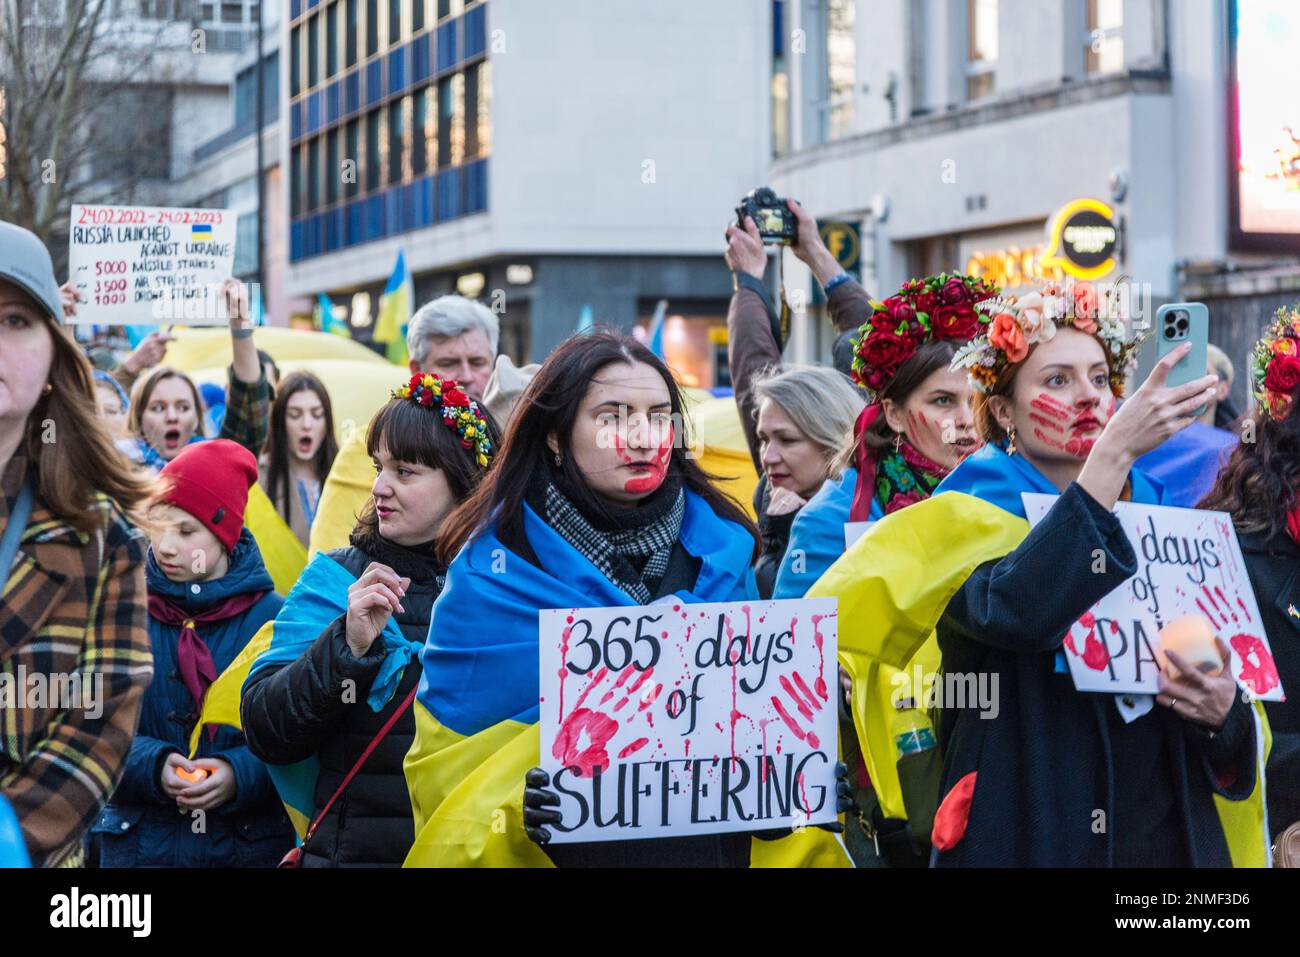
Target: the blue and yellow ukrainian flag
(477, 708)
(894, 584)
(201, 231)
(395, 306)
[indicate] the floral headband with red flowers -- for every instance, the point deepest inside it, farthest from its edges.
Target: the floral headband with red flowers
(1017, 323)
(936, 307)
(1275, 363)
(460, 413)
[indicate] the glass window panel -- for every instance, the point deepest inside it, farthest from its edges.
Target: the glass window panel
(313, 175)
(457, 139)
(373, 159)
(394, 22)
(444, 123)
(352, 147)
(332, 167)
(419, 133)
(1105, 38)
(372, 26)
(484, 118)
(331, 40)
(396, 134)
(471, 113)
(417, 16)
(350, 30)
(313, 52)
(982, 30)
(295, 62)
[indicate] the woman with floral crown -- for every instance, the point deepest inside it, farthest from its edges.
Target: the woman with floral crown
(1046, 775)
(1260, 489)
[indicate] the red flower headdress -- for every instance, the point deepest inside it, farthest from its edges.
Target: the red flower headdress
(460, 413)
(1275, 364)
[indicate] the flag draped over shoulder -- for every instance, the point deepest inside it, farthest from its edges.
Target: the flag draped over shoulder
(895, 582)
(282, 553)
(477, 709)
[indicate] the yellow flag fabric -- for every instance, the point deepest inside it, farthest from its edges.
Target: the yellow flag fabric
(893, 585)
(202, 348)
(467, 798)
(284, 556)
(221, 703)
(343, 494)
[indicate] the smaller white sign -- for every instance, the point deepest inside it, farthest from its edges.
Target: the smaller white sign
(150, 265)
(1189, 562)
(853, 531)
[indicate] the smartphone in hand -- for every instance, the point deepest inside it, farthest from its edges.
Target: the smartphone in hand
(1177, 323)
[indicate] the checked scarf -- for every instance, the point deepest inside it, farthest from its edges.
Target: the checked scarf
(619, 552)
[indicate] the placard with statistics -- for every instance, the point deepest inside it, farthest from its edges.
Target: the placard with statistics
(144, 265)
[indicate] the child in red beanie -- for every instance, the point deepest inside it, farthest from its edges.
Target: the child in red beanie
(209, 593)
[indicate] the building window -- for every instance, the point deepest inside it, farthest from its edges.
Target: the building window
(484, 108)
(1105, 40)
(981, 47)
(419, 132)
(332, 167)
(350, 30)
(295, 162)
(394, 22)
(295, 62)
(396, 141)
(841, 67)
(780, 82)
(313, 52)
(450, 8)
(331, 40)
(373, 158)
(433, 127)
(352, 144)
(313, 174)
(372, 26)
(457, 113)
(417, 16)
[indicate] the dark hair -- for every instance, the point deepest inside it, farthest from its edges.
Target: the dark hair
(277, 440)
(1261, 482)
(550, 406)
(415, 433)
(929, 358)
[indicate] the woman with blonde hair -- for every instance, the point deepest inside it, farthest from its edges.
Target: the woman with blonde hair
(72, 594)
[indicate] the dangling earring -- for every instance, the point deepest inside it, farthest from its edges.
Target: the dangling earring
(557, 458)
(47, 389)
(1011, 440)
(897, 438)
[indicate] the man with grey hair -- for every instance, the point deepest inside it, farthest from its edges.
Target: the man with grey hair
(455, 338)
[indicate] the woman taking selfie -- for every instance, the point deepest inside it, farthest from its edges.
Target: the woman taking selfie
(1260, 489)
(300, 450)
(594, 502)
(356, 619)
(1026, 782)
(72, 592)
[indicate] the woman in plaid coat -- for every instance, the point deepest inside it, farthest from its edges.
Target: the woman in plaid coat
(74, 649)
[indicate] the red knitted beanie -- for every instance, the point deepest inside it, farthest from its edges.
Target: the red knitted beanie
(210, 480)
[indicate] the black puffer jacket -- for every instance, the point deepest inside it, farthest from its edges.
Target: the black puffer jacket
(293, 712)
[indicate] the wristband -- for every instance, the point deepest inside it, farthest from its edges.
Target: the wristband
(243, 332)
(839, 280)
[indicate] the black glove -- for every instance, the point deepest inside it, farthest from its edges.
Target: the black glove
(537, 798)
(844, 803)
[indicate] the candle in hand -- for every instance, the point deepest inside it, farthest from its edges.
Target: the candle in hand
(1192, 639)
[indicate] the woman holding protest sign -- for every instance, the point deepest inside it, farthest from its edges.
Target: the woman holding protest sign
(300, 450)
(1046, 775)
(341, 668)
(71, 568)
(1260, 489)
(917, 428)
(166, 413)
(594, 502)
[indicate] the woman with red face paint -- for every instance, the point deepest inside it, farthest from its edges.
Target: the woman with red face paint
(593, 502)
(1260, 489)
(1042, 774)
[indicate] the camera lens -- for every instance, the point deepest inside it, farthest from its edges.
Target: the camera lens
(1182, 325)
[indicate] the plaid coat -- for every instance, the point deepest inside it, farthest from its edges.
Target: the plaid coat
(74, 664)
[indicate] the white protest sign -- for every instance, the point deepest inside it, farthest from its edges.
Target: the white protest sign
(144, 265)
(1189, 562)
(673, 719)
(853, 531)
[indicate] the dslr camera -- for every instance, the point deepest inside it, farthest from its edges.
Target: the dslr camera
(775, 222)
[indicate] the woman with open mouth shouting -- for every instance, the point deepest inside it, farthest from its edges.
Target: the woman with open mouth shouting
(166, 413)
(300, 451)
